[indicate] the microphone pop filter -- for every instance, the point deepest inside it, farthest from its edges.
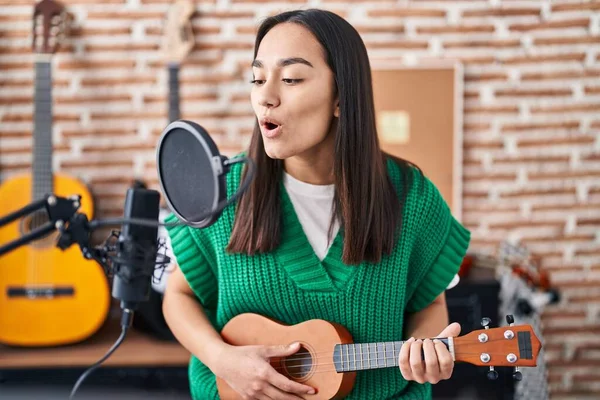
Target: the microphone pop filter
(191, 173)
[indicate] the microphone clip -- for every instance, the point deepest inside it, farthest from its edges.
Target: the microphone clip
(77, 230)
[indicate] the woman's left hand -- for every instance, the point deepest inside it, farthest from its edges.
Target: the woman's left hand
(438, 363)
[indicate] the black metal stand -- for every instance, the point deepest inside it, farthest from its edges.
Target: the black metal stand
(62, 216)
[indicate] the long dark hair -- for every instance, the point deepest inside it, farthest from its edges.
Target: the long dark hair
(365, 201)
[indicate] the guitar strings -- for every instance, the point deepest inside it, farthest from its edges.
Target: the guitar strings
(376, 352)
(385, 350)
(300, 374)
(370, 353)
(286, 370)
(330, 355)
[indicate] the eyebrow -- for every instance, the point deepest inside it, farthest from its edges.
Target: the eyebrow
(284, 62)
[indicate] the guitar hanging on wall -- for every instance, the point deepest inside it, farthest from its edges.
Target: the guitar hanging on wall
(48, 296)
(178, 41)
(328, 359)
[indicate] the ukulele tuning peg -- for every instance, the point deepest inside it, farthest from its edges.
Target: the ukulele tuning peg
(485, 322)
(492, 374)
(517, 375)
(510, 320)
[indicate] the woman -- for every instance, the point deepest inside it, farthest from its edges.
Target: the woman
(330, 228)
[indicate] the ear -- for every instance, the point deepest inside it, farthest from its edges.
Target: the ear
(336, 110)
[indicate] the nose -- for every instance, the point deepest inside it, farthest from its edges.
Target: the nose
(268, 95)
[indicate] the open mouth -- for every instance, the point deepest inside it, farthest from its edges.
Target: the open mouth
(271, 126)
(270, 129)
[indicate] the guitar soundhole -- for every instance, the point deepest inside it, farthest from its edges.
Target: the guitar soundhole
(35, 221)
(299, 365)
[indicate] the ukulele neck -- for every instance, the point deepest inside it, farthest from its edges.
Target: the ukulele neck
(363, 356)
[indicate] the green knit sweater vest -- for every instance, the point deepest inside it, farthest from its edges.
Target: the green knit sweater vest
(292, 285)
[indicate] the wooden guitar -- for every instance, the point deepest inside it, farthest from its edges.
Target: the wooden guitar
(328, 359)
(177, 43)
(47, 296)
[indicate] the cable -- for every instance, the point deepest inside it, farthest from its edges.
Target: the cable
(127, 316)
(126, 319)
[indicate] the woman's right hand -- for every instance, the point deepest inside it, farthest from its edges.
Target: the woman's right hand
(248, 371)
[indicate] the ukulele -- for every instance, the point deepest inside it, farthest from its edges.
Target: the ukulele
(47, 296)
(328, 359)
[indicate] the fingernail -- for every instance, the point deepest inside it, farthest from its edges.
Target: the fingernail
(436, 341)
(311, 391)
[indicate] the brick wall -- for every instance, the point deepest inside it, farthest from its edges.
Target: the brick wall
(531, 124)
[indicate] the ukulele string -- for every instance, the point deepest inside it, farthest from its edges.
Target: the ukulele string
(328, 353)
(300, 374)
(375, 357)
(361, 363)
(356, 368)
(353, 359)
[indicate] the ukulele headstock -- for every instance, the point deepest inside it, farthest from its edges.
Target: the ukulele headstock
(509, 346)
(50, 24)
(178, 38)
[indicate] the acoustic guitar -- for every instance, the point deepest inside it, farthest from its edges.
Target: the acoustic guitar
(328, 359)
(177, 43)
(47, 296)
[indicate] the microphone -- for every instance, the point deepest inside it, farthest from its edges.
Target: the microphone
(137, 247)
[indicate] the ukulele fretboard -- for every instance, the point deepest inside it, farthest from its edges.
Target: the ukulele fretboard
(363, 356)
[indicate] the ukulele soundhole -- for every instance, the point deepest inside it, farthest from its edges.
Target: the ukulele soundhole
(299, 365)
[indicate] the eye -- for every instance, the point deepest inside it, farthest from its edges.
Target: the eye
(292, 81)
(257, 82)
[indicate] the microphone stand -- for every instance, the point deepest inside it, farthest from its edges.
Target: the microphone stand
(74, 227)
(62, 216)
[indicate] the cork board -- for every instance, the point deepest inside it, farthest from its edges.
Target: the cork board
(419, 118)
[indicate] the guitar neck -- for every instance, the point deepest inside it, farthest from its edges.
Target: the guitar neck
(174, 113)
(364, 356)
(42, 129)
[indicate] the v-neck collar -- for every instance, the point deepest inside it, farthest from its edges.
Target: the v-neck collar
(297, 257)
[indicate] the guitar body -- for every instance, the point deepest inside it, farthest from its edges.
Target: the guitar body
(47, 296)
(312, 365)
